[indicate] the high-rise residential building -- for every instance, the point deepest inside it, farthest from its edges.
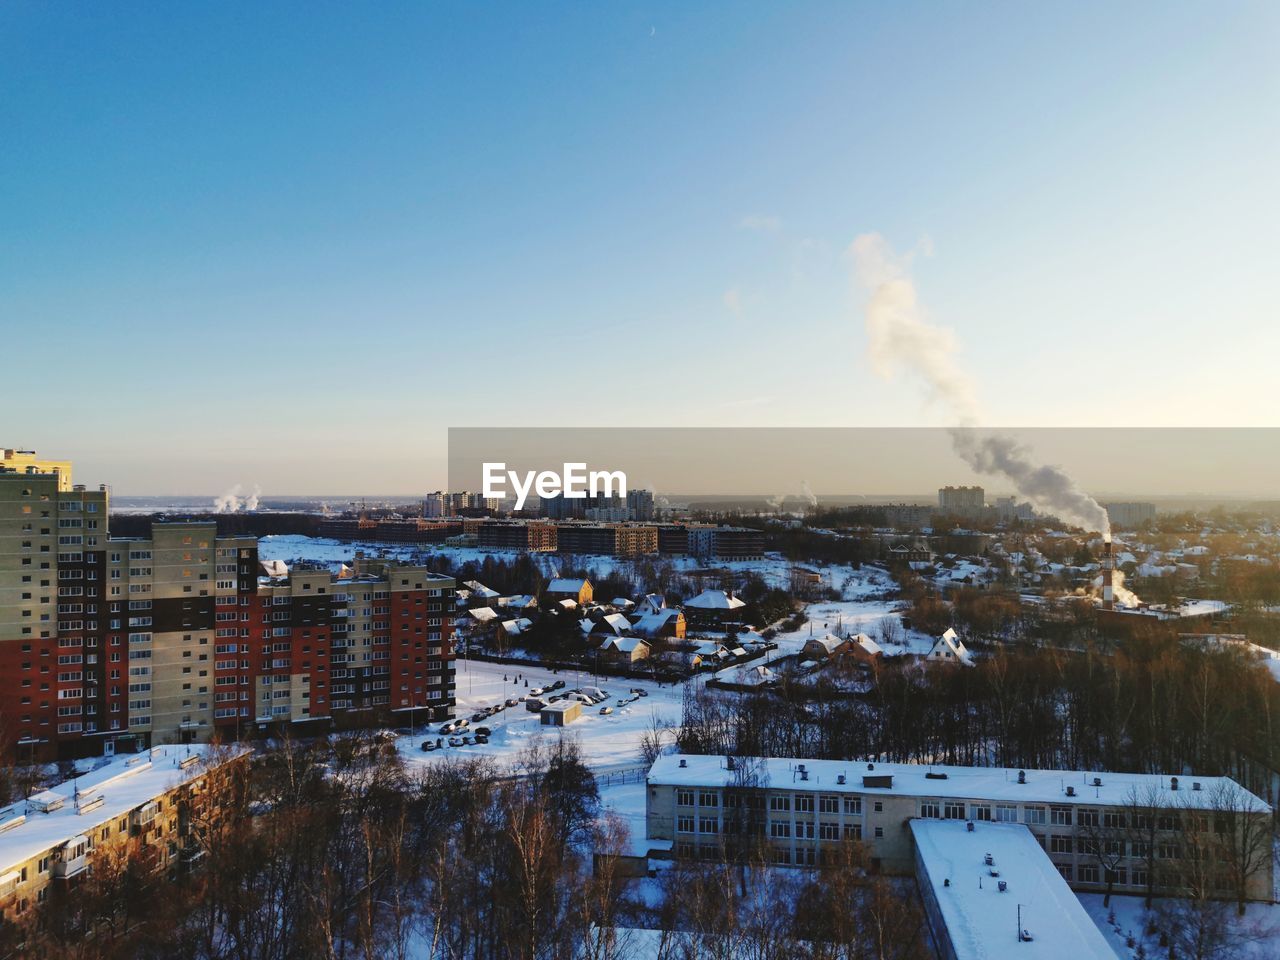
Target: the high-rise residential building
(110, 643)
(1129, 515)
(967, 502)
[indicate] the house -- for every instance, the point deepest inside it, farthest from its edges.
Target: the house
(624, 649)
(713, 609)
(667, 623)
(475, 594)
(577, 590)
(823, 648)
(950, 649)
(516, 627)
(651, 603)
(609, 625)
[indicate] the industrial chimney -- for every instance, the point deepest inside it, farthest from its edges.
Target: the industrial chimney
(1108, 575)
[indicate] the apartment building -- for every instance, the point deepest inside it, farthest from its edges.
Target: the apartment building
(607, 539)
(149, 808)
(113, 644)
(968, 502)
(522, 536)
(799, 808)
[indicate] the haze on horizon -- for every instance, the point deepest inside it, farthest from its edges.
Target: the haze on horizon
(294, 258)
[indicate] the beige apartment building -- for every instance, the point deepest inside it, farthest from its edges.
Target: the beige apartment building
(798, 808)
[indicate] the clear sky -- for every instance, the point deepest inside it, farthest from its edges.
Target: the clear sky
(290, 244)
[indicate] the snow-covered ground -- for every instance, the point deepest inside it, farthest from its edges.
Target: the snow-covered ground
(1260, 926)
(609, 743)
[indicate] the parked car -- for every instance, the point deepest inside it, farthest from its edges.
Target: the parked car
(558, 685)
(477, 717)
(449, 728)
(481, 738)
(512, 702)
(483, 731)
(605, 711)
(455, 741)
(428, 746)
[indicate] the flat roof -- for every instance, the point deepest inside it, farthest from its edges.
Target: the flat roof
(126, 783)
(962, 783)
(982, 921)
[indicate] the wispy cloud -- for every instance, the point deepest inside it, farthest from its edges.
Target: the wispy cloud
(760, 222)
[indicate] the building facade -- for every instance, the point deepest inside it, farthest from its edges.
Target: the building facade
(801, 808)
(967, 502)
(110, 644)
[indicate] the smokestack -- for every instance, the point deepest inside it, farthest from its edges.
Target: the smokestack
(1108, 574)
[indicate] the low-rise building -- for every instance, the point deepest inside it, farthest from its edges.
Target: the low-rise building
(1095, 827)
(988, 890)
(149, 808)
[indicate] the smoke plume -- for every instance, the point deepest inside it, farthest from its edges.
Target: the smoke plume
(233, 502)
(901, 338)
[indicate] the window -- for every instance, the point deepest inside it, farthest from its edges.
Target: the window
(708, 825)
(828, 831)
(1087, 818)
(1060, 816)
(1059, 844)
(684, 824)
(829, 804)
(684, 798)
(804, 803)
(1087, 873)
(1006, 812)
(953, 810)
(1033, 815)
(929, 808)
(780, 828)
(853, 806)
(706, 799)
(853, 831)
(780, 802)
(979, 811)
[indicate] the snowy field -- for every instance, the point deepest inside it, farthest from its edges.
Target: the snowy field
(609, 743)
(775, 571)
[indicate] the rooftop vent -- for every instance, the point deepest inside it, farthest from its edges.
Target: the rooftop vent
(800, 767)
(1173, 783)
(842, 779)
(1022, 776)
(730, 763)
(1195, 784)
(683, 762)
(1003, 885)
(931, 775)
(871, 766)
(988, 859)
(1097, 781)
(804, 774)
(1071, 791)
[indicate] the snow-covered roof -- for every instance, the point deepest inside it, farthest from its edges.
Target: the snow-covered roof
(623, 644)
(124, 784)
(981, 920)
(652, 623)
(831, 643)
(517, 627)
(867, 644)
(566, 585)
(968, 783)
(950, 647)
(482, 614)
(478, 589)
(714, 600)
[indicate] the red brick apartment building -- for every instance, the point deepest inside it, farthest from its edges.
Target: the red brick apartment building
(115, 644)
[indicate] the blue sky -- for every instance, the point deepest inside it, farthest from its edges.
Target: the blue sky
(256, 235)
